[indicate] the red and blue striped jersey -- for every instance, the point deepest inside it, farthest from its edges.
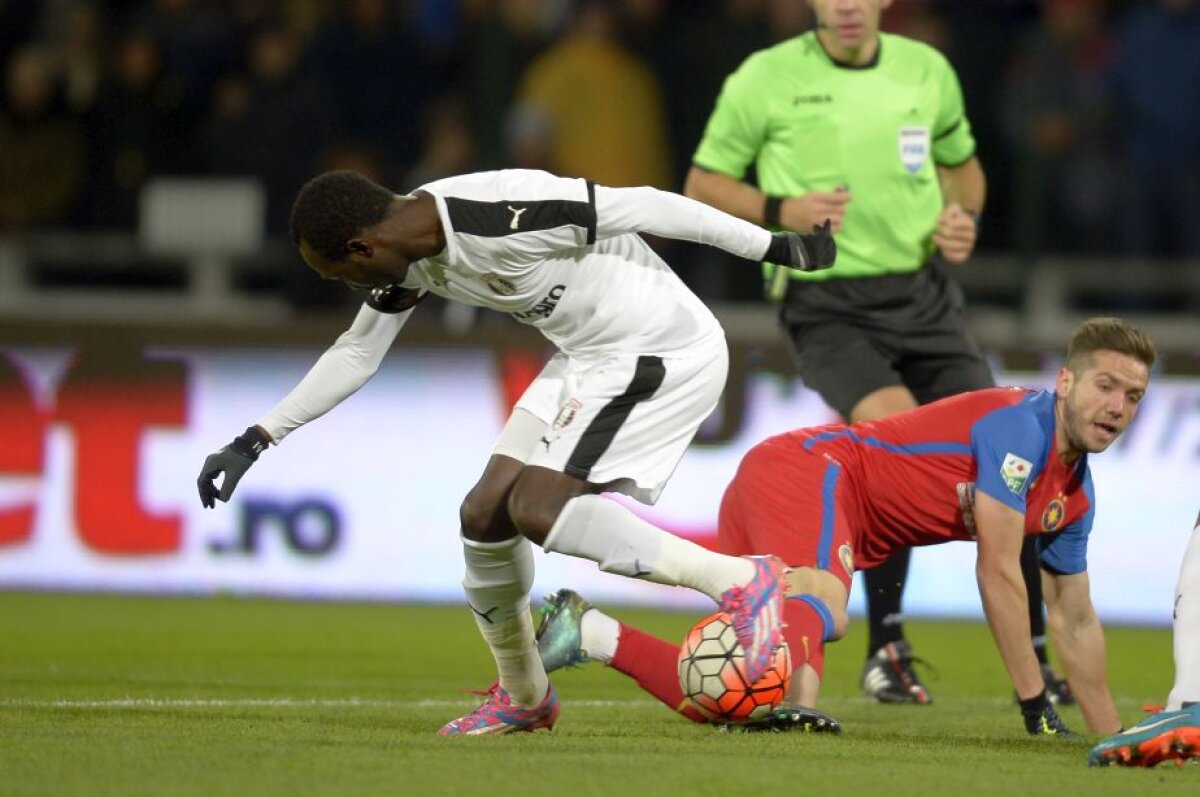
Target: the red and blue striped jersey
(911, 479)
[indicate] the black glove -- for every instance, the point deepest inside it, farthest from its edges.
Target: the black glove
(233, 460)
(804, 252)
(1042, 720)
(394, 299)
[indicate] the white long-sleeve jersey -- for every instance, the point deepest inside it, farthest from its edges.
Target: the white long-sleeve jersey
(560, 254)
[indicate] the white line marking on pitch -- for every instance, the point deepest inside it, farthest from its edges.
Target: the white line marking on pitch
(282, 702)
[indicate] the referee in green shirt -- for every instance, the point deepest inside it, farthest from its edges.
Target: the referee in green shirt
(866, 129)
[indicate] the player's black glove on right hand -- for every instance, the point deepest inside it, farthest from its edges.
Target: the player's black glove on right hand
(233, 460)
(804, 252)
(1042, 720)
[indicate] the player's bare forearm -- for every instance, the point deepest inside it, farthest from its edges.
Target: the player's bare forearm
(1006, 605)
(965, 185)
(1001, 533)
(1083, 654)
(1079, 640)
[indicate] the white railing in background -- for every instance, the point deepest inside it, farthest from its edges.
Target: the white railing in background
(1010, 303)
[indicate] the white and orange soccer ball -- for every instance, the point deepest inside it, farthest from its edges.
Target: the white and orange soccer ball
(712, 674)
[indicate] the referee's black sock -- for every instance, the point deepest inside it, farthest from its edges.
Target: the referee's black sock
(885, 590)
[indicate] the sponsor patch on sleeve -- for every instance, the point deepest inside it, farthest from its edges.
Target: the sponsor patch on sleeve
(1015, 472)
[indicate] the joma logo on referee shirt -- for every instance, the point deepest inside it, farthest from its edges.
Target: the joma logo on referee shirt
(544, 307)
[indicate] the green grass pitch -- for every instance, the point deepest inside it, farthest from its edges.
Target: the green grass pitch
(180, 696)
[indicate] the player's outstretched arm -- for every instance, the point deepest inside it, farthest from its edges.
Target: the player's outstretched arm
(1079, 640)
(344, 368)
(668, 215)
(1001, 531)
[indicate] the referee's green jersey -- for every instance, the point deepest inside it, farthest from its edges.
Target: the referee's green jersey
(811, 124)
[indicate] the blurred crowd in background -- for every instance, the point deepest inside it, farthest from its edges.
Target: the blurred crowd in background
(1086, 112)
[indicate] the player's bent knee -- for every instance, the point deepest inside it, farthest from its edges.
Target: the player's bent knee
(532, 517)
(484, 518)
(483, 514)
(827, 588)
(841, 623)
(537, 499)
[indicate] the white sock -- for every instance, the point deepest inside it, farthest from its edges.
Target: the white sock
(1187, 627)
(497, 582)
(598, 635)
(619, 541)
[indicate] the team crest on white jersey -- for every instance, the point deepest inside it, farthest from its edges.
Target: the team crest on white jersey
(566, 414)
(498, 284)
(1015, 472)
(914, 147)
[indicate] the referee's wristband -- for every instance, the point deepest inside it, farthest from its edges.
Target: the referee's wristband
(771, 209)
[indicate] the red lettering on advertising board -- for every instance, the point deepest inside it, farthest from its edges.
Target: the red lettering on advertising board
(109, 412)
(518, 369)
(22, 447)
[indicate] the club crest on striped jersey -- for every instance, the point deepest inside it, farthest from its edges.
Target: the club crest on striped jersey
(1055, 511)
(566, 414)
(1015, 472)
(846, 557)
(914, 147)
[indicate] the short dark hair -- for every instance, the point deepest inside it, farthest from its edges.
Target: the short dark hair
(334, 207)
(1108, 334)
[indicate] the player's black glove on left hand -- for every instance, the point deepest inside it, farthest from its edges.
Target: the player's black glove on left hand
(804, 252)
(394, 299)
(1042, 720)
(233, 460)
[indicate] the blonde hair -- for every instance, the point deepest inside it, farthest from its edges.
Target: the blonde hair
(1108, 334)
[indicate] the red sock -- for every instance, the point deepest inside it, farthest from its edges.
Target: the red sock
(804, 631)
(654, 664)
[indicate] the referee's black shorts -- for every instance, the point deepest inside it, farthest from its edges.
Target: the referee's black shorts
(851, 337)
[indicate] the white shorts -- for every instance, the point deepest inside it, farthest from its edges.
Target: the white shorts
(623, 421)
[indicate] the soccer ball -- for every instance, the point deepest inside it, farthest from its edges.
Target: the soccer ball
(712, 675)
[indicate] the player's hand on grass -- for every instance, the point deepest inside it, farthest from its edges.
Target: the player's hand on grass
(812, 252)
(233, 460)
(1042, 720)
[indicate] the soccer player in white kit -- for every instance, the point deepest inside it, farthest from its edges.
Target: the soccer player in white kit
(1172, 734)
(641, 363)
